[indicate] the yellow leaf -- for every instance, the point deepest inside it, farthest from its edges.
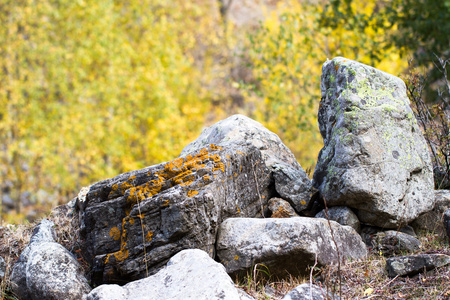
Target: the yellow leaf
(368, 291)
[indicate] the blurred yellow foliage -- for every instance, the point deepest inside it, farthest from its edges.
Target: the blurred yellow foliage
(90, 89)
(286, 55)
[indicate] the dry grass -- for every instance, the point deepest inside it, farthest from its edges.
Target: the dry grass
(14, 238)
(368, 279)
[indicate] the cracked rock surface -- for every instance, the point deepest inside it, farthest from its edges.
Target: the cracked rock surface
(375, 158)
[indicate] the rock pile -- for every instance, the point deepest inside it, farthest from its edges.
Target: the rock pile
(238, 196)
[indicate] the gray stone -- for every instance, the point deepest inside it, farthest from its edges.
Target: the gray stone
(432, 221)
(284, 246)
(135, 222)
(394, 242)
(446, 222)
(413, 264)
(46, 270)
(293, 185)
(190, 274)
(2, 268)
(280, 208)
(374, 158)
(343, 215)
(243, 131)
(307, 291)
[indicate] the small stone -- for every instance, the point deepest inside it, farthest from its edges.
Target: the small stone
(413, 264)
(343, 215)
(280, 208)
(308, 291)
(394, 242)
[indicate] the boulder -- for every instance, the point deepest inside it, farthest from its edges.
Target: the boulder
(134, 223)
(285, 246)
(394, 242)
(343, 215)
(46, 270)
(375, 158)
(242, 131)
(413, 264)
(308, 291)
(293, 185)
(432, 221)
(190, 274)
(280, 208)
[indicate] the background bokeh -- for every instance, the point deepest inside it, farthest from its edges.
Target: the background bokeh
(91, 89)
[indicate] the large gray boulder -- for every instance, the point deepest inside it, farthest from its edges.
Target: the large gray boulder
(134, 223)
(243, 131)
(291, 181)
(285, 246)
(374, 158)
(46, 270)
(190, 274)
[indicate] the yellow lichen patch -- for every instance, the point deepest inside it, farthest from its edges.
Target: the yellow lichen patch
(303, 202)
(192, 193)
(148, 236)
(131, 221)
(125, 186)
(205, 177)
(165, 202)
(133, 177)
(187, 183)
(236, 257)
(240, 168)
(115, 187)
(214, 147)
(114, 233)
(239, 152)
(219, 166)
(121, 255)
(141, 216)
(235, 174)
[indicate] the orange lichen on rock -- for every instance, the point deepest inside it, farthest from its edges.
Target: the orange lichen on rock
(214, 147)
(192, 193)
(180, 171)
(148, 236)
(121, 255)
(115, 233)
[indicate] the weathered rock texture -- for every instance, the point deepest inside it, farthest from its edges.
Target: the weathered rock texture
(414, 264)
(293, 185)
(239, 130)
(138, 220)
(284, 245)
(374, 158)
(394, 242)
(343, 215)
(46, 270)
(431, 221)
(280, 208)
(190, 274)
(307, 291)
